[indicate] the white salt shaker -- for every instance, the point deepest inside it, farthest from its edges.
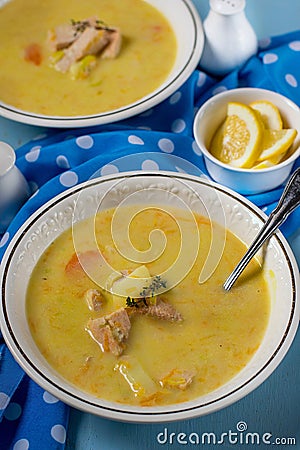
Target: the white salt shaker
(14, 189)
(229, 38)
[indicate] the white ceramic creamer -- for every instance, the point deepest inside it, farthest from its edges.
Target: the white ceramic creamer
(229, 38)
(14, 190)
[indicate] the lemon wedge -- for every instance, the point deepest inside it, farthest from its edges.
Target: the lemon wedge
(269, 162)
(238, 141)
(269, 114)
(263, 165)
(276, 142)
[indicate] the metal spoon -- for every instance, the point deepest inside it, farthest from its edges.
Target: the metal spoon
(288, 201)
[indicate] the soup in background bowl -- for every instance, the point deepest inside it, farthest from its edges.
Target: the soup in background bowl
(74, 73)
(210, 348)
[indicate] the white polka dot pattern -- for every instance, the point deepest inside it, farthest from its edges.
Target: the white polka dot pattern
(109, 169)
(291, 80)
(3, 242)
(133, 139)
(295, 45)
(265, 42)
(62, 161)
(85, 142)
(270, 58)
(33, 155)
(4, 400)
(219, 89)
(147, 113)
(13, 411)
(58, 432)
(49, 398)
(175, 98)
(178, 126)
(202, 77)
(166, 145)
(21, 444)
(68, 179)
(196, 149)
(149, 164)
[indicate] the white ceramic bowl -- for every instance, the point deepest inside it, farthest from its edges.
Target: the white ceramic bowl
(185, 21)
(218, 203)
(245, 181)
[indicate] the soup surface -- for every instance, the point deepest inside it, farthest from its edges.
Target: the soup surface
(146, 56)
(205, 338)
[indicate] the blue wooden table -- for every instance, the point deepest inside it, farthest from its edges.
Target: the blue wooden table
(271, 414)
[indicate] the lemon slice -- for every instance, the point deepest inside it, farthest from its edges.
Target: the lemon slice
(276, 142)
(269, 162)
(263, 165)
(238, 141)
(269, 114)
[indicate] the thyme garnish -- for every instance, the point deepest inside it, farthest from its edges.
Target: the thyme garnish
(100, 25)
(147, 291)
(135, 302)
(155, 285)
(80, 25)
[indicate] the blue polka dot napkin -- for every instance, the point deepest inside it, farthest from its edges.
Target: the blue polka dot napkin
(159, 139)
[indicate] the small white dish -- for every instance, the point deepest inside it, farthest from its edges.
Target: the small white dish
(185, 21)
(14, 190)
(245, 181)
(218, 203)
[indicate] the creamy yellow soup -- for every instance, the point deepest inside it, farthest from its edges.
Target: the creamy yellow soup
(146, 57)
(217, 336)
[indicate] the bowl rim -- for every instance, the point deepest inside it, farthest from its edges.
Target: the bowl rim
(228, 93)
(166, 88)
(135, 414)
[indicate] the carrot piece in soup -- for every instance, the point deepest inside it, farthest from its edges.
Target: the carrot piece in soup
(78, 262)
(33, 54)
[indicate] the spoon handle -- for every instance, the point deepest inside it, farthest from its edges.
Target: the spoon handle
(288, 201)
